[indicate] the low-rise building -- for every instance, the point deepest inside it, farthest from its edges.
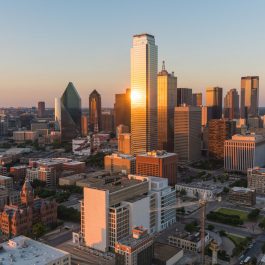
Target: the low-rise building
(242, 196)
(82, 146)
(135, 249)
(118, 162)
(72, 179)
(18, 172)
(187, 241)
(7, 182)
(256, 179)
(24, 251)
(23, 136)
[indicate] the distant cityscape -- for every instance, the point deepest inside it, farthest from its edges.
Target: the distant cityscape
(160, 178)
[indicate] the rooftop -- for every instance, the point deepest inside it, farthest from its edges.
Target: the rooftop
(258, 170)
(242, 189)
(22, 250)
(165, 252)
(158, 153)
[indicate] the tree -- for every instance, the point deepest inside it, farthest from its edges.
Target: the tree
(254, 214)
(183, 192)
(222, 233)
(263, 248)
(210, 227)
(225, 190)
(38, 230)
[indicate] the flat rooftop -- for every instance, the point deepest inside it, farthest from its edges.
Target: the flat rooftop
(200, 185)
(242, 189)
(22, 250)
(158, 154)
(195, 237)
(258, 170)
(164, 252)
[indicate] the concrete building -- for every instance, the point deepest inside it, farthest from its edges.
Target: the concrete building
(41, 109)
(184, 97)
(256, 179)
(124, 143)
(6, 182)
(206, 115)
(4, 196)
(143, 94)
(23, 136)
(242, 196)
(72, 179)
(249, 96)
(122, 109)
(243, 152)
(107, 121)
(187, 241)
(219, 131)
(199, 190)
(214, 101)
(187, 133)
(18, 172)
(117, 162)
(166, 102)
(24, 251)
(231, 105)
(158, 164)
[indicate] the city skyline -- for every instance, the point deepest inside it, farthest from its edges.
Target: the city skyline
(48, 49)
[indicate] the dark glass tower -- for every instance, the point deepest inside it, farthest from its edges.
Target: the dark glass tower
(70, 113)
(95, 111)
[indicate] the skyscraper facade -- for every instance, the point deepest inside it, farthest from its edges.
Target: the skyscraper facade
(197, 99)
(231, 104)
(41, 109)
(95, 111)
(187, 133)
(214, 100)
(143, 94)
(122, 108)
(184, 97)
(249, 96)
(166, 102)
(70, 104)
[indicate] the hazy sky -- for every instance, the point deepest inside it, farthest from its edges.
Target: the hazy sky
(47, 43)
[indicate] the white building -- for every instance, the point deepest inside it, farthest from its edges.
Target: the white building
(243, 152)
(256, 179)
(24, 251)
(82, 146)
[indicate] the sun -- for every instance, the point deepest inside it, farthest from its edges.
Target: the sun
(136, 96)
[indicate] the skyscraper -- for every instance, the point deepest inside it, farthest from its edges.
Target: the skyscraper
(41, 109)
(231, 104)
(214, 100)
(187, 133)
(197, 99)
(84, 125)
(95, 111)
(70, 105)
(184, 97)
(249, 96)
(122, 108)
(143, 94)
(166, 102)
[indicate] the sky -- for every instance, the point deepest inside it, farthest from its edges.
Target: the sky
(44, 44)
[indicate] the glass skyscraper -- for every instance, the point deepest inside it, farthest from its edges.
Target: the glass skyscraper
(95, 124)
(143, 94)
(70, 104)
(214, 101)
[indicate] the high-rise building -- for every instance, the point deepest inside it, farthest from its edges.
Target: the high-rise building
(70, 113)
(143, 94)
(184, 97)
(95, 111)
(243, 152)
(57, 114)
(214, 100)
(158, 164)
(107, 121)
(231, 104)
(197, 99)
(206, 115)
(84, 125)
(124, 143)
(256, 179)
(166, 102)
(219, 131)
(187, 133)
(41, 109)
(249, 96)
(122, 108)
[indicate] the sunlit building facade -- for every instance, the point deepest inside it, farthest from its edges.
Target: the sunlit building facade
(249, 96)
(143, 94)
(231, 104)
(197, 99)
(184, 96)
(166, 102)
(70, 113)
(214, 100)
(95, 111)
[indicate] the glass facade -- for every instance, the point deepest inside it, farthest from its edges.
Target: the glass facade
(95, 124)
(70, 115)
(231, 104)
(143, 94)
(214, 100)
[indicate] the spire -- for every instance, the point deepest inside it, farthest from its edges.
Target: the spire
(163, 66)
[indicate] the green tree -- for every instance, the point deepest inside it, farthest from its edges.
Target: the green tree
(254, 214)
(38, 230)
(210, 227)
(183, 192)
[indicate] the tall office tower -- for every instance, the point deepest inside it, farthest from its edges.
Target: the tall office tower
(214, 100)
(206, 115)
(122, 108)
(84, 125)
(197, 99)
(124, 143)
(107, 121)
(231, 104)
(95, 111)
(143, 94)
(187, 133)
(249, 96)
(184, 97)
(166, 102)
(70, 113)
(41, 109)
(158, 164)
(219, 131)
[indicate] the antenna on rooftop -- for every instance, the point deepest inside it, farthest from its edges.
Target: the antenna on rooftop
(163, 66)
